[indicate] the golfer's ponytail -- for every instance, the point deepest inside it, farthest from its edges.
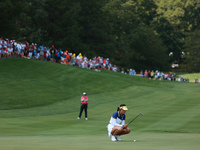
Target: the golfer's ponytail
(118, 108)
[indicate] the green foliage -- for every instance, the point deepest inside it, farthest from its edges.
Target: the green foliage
(63, 30)
(192, 52)
(174, 19)
(137, 46)
(172, 38)
(103, 27)
(9, 10)
(191, 19)
(96, 29)
(148, 50)
(172, 10)
(146, 10)
(31, 21)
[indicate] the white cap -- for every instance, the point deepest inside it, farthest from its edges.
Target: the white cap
(84, 93)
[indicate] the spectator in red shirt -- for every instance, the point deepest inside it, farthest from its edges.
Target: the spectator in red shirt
(149, 74)
(26, 50)
(196, 80)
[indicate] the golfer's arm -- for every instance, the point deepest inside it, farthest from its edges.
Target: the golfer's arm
(123, 122)
(83, 99)
(113, 121)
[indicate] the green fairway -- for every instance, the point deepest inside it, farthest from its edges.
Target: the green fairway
(40, 101)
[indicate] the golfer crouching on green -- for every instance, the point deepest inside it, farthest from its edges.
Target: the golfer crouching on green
(117, 126)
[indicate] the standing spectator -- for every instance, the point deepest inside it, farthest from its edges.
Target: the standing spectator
(52, 52)
(134, 72)
(90, 64)
(14, 48)
(158, 75)
(179, 79)
(68, 57)
(58, 56)
(84, 105)
(19, 48)
(5, 51)
(152, 75)
(79, 56)
(130, 72)
(26, 51)
(141, 73)
(122, 70)
(149, 74)
(104, 64)
(45, 53)
(107, 63)
(114, 68)
(174, 77)
(162, 76)
(146, 74)
(41, 52)
(35, 51)
(168, 77)
(10, 50)
(31, 51)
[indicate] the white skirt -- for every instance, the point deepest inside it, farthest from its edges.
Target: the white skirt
(110, 127)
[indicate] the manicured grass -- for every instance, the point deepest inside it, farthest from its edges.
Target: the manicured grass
(144, 141)
(39, 104)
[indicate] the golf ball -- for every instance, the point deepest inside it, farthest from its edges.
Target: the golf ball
(134, 140)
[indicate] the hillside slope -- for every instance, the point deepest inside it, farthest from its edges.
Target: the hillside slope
(42, 98)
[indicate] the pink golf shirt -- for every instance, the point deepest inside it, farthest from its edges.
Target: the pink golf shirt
(84, 100)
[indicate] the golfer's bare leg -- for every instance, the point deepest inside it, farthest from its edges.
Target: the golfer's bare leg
(125, 131)
(120, 131)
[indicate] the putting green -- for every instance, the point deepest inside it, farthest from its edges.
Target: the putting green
(144, 141)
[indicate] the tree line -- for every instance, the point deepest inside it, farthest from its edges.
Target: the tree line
(137, 34)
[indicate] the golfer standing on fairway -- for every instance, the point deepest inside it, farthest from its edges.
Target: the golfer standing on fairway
(84, 105)
(117, 126)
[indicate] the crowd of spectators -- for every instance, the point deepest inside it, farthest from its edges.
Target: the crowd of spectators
(159, 75)
(11, 48)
